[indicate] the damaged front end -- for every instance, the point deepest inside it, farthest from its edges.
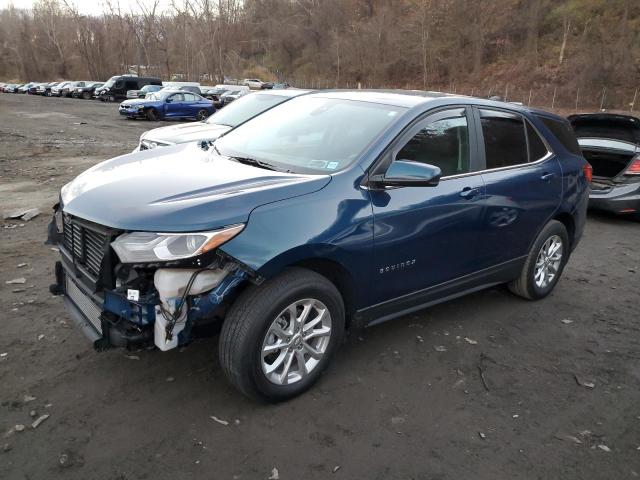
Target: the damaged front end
(137, 289)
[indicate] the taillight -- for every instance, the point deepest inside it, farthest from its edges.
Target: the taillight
(588, 171)
(634, 168)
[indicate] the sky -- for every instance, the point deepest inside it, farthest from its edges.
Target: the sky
(91, 7)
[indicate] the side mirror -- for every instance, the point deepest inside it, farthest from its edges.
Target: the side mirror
(405, 173)
(169, 100)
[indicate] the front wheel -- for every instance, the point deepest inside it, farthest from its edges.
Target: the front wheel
(544, 264)
(152, 114)
(278, 337)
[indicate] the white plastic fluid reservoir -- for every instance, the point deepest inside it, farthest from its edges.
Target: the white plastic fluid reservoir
(171, 284)
(160, 331)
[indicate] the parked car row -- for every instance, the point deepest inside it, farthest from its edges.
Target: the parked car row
(129, 87)
(78, 89)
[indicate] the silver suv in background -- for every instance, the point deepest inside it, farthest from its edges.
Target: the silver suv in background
(220, 122)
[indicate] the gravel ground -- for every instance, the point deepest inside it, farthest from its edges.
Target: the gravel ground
(560, 396)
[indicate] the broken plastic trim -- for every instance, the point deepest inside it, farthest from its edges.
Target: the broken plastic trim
(208, 302)
(252, 275)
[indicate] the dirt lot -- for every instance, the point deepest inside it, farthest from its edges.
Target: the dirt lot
(392, 406)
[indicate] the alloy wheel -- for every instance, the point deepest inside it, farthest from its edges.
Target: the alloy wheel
(548, 262)
(296, 341)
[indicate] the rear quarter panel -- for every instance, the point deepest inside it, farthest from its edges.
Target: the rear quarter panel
(575, 188)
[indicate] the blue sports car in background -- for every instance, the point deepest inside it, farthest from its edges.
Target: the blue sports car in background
(168, 104)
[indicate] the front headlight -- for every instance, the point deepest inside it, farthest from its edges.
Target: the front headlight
(141, 247)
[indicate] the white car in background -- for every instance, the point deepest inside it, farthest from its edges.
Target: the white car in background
(233, 94)
(253, 83)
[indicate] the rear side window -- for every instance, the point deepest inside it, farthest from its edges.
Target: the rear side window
(131, 85)
(537, 148)
(505, 141)
(443, 143)
(188, 97)
(564, 133)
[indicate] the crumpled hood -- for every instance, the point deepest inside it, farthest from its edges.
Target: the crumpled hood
(135, 101)
(186, 132)
(180, 188)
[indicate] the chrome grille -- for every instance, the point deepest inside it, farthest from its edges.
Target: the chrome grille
(84, 303)
(86, 245)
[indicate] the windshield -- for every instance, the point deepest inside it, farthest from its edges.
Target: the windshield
(310, 134)
(161, 95)
(245, 108)
(111, 81)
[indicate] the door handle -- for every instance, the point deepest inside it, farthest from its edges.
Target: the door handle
(547, 176)
(469, 192)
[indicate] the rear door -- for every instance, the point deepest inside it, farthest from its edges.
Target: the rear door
(190, 105)
(523, 185)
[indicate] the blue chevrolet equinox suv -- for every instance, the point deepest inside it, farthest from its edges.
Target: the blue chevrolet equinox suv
(331, 211)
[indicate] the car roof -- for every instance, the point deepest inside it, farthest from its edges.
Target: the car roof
(413, 98)
(286, 92)
(176, 90)
(399, 98)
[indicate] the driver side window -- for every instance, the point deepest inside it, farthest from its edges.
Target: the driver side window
(443, 143)
(177, 97)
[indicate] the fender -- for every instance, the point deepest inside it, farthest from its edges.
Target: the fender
(324, 224)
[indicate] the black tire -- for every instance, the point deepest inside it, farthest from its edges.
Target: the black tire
(249, 319)
(152, 114)
(201, 115)
(86, 95)
(525, 285)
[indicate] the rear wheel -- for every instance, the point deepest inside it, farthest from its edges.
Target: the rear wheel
(201, 115)
(277, 338)
(544, 264)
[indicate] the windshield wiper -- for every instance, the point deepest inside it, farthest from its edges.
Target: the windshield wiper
(254, 163)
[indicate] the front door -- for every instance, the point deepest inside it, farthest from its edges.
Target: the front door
(424, 236)
(523, 182)
(176, 106)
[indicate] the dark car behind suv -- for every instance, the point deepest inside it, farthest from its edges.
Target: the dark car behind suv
(611, 144)
(86, 91)
(330, 211)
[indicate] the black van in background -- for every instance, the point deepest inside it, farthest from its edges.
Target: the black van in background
(116, 87)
